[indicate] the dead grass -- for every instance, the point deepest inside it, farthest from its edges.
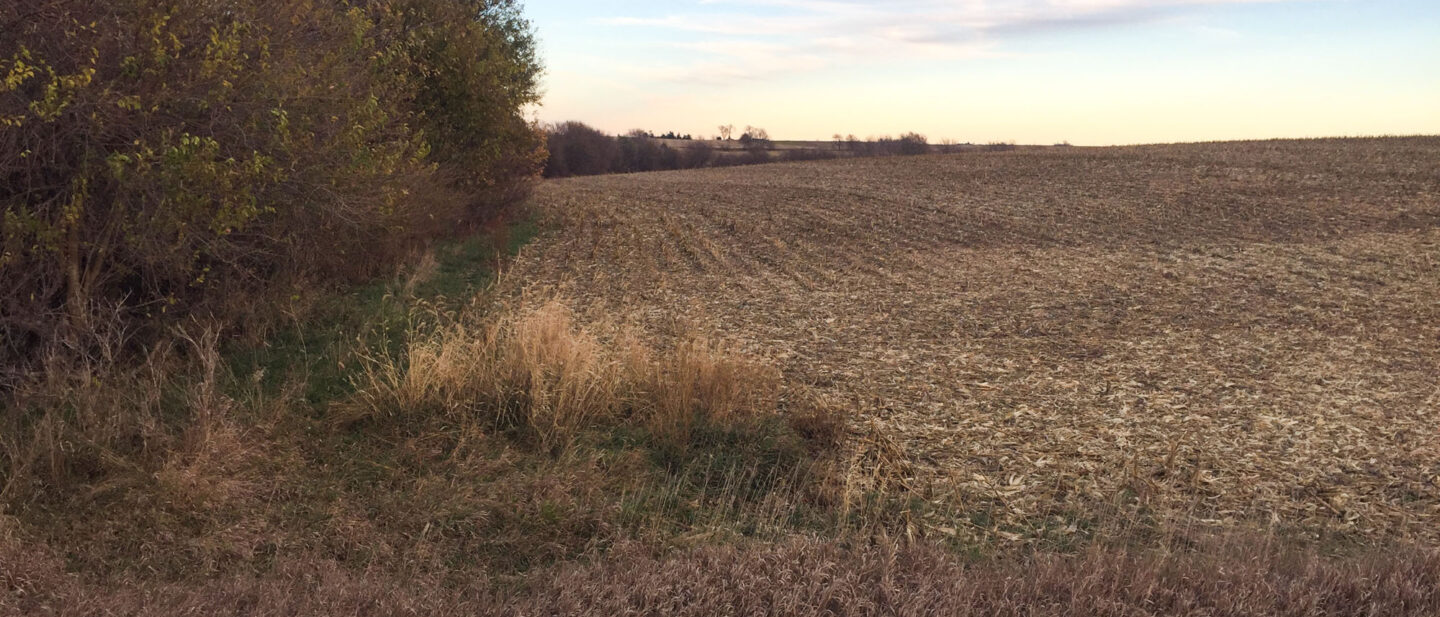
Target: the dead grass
(535, 372)
(87, 424)
(700, 383)
(1229, 578)
(458, 457)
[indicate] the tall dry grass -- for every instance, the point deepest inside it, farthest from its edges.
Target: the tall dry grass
(537, 373)
(698, 383)
(806, 577)
(89, 421)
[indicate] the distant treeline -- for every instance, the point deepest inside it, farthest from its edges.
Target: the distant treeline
(580, 150)
(906, 145)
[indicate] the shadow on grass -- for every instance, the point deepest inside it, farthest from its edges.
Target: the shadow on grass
(324, 351)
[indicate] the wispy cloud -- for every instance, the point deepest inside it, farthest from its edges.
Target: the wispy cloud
(756, 39)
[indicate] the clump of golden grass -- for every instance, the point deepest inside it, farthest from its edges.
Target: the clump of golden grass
(699, 382)
(537, 373)
(91, 421)
(534, 372)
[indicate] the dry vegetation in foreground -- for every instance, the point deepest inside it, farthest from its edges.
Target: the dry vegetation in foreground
(1178, 380)
(535, 374)
(1214, 334)
(418, 430)
(798, 577)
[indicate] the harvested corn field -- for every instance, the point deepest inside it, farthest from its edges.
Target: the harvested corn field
(1228, 334)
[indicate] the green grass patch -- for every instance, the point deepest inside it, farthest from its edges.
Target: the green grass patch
(324, 351)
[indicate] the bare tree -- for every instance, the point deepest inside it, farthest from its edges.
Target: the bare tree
(726, 130)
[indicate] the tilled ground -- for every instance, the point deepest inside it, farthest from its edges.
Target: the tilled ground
(1236, 333)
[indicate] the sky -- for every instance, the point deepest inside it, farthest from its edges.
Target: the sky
(1086, 72)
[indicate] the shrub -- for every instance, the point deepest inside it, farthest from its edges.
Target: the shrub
(579, 150)
(165, 158)
(908, 144)
(639, 152)
(697, 154)
(808, 154)
(474, 67)
(912, 144)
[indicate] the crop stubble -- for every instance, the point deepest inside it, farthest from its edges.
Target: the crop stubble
(1232, 333)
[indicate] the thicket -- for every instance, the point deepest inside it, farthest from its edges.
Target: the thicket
(576, 149)
(909, 144)
(170, 158)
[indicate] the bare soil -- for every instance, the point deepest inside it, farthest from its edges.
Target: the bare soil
(1228, 334)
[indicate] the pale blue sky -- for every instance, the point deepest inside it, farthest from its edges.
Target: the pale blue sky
(1091, 72)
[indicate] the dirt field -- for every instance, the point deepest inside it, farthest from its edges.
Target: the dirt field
(1221, 334)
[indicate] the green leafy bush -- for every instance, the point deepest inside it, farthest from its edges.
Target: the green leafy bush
(173, 157)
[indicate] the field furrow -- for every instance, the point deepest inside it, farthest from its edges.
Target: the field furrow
(1243, 333)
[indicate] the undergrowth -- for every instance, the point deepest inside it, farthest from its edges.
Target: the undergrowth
(325, 350)
(412, 425)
